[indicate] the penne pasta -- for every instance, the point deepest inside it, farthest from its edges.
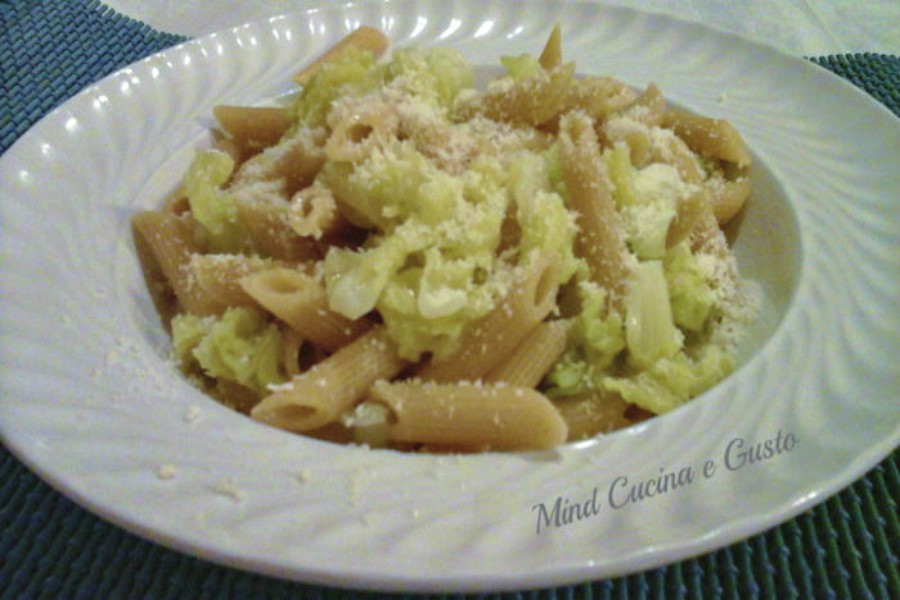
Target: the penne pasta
(728, 197)
(536, 354)
(300, 301)
(293, 348)
(363, 38)
(253, 127)
(673, 151)
(235, 395)
(177, 203)
(649, 108)
(476, 416)
(295, 163)
(314, 213)
(713, 138)
(488, 341)
(229, 147)
(217, 275)
(688, 211)
(319, 396)
(599, 97)
(492, 238)
(551, 55)
(707, 238)
(640, 147)
(530, 102)
(600, 239)
(357, 129)
(590, 414)
(273, 235)
(165, 244)
(299, 354)
(336, 433)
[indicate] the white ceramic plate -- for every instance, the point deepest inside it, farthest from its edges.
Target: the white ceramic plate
(89, 402)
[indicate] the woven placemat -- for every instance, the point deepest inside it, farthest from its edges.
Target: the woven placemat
(847, 547)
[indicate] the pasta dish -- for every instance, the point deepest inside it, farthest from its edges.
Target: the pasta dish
(397, 259)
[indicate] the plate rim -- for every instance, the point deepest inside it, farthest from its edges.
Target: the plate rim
(740, 529)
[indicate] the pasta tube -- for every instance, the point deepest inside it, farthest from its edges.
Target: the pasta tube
(253, 126)
(488, 341)
(300, 301)
(728, 197)
(589, 414)
(217, 275)
(498, 417)
(314, 213)
(551, 55)
(271, 231)
(600, 239)
(165, 243)
(319, 396)
(531, 360)
(533, 101)
(363, 38)
(713, 138)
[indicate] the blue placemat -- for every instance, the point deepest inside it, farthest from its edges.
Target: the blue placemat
(847, 547)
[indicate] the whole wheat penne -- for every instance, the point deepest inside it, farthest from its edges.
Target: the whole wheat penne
(300, 301)
(688, 211)
(551, 55)
(217, 276)
(253, 127)
(469, 228)
(534, 356)
(295, 161)
(600, 97)
(591, 413)
(649, 108)
(165, 244)
(364, 38)
(600, 240)
(714, 138)
(314, 213)
(320, 395)
(532, 101)
(358, 128)
(728, 197)
(488, 341)
(498, 417)
(272, 233)
(672, 150)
